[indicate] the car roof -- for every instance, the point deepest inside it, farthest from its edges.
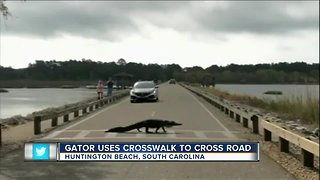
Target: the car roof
(144, 82)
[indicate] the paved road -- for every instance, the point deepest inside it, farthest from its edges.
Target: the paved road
(201, 122)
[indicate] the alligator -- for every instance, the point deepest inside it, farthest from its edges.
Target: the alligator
(149, 123)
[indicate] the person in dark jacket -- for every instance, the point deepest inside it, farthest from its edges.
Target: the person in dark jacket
(110, 87)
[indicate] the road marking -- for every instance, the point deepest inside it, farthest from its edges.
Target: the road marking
(180, 130)
(200, 134)
(171, 134)
(141, 135)
(153, 113)
(230, 136)
(133, 137)
(228, 133)
(54, 134)
(82, 134)
(110, 135)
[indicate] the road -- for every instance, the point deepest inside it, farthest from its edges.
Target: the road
(201, 122)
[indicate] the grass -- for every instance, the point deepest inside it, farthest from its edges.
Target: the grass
(305, 109)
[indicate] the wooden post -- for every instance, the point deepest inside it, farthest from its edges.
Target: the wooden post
(267, 135)
(0, 134)
(245, 122)
(54, 121)
(221, 108)
(226, 111)
(66, 118)
(238, 118)
(232, 114)
(84, 110)
(308, 158)
(76, 113)
(37, 125)
(255, 124)
(284, 145)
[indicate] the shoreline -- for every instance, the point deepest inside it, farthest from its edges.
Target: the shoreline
(29, 83)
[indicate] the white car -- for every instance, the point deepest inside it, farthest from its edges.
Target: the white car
(144, 91)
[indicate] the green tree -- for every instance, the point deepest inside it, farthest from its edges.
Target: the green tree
(4, 9)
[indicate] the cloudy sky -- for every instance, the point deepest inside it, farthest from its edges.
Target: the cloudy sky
(187, 33)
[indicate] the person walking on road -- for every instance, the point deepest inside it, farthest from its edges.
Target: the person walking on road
(100, 87)
(110, 87)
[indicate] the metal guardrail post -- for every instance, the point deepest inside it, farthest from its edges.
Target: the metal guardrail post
(226, 111)
(245, 122)
(238, 117)
(232, 114)
(284, 145)
(267, 135)
(76, 113)
(0, 134)
(222, 108)
(37, 125)
(307, 158)
(66, 118)
(255, 124)
(84, 110)
(54, 121)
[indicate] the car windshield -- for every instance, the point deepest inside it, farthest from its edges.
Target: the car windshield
(144, 85)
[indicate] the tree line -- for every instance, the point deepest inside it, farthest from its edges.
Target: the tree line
(86, 69)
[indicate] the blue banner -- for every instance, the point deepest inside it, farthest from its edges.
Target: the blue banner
(159, 147)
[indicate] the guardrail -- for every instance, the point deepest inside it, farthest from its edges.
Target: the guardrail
(89, 107)
(308, 147)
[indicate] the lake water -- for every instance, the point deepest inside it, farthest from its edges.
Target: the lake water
(26, 101)
(289, 91)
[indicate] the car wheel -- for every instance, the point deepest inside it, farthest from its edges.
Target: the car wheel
(132, 101)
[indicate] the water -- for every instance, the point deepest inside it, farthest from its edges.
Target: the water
(289, 91)
(25, 101)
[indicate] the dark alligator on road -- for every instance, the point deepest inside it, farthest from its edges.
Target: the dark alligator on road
(149, 123)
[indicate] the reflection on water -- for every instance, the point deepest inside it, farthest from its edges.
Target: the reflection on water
(26, 101)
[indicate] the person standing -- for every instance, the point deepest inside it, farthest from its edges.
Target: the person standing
(100, 87)
(110, 87)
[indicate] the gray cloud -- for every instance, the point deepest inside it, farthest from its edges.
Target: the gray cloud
(114, 20)
(260, 17)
